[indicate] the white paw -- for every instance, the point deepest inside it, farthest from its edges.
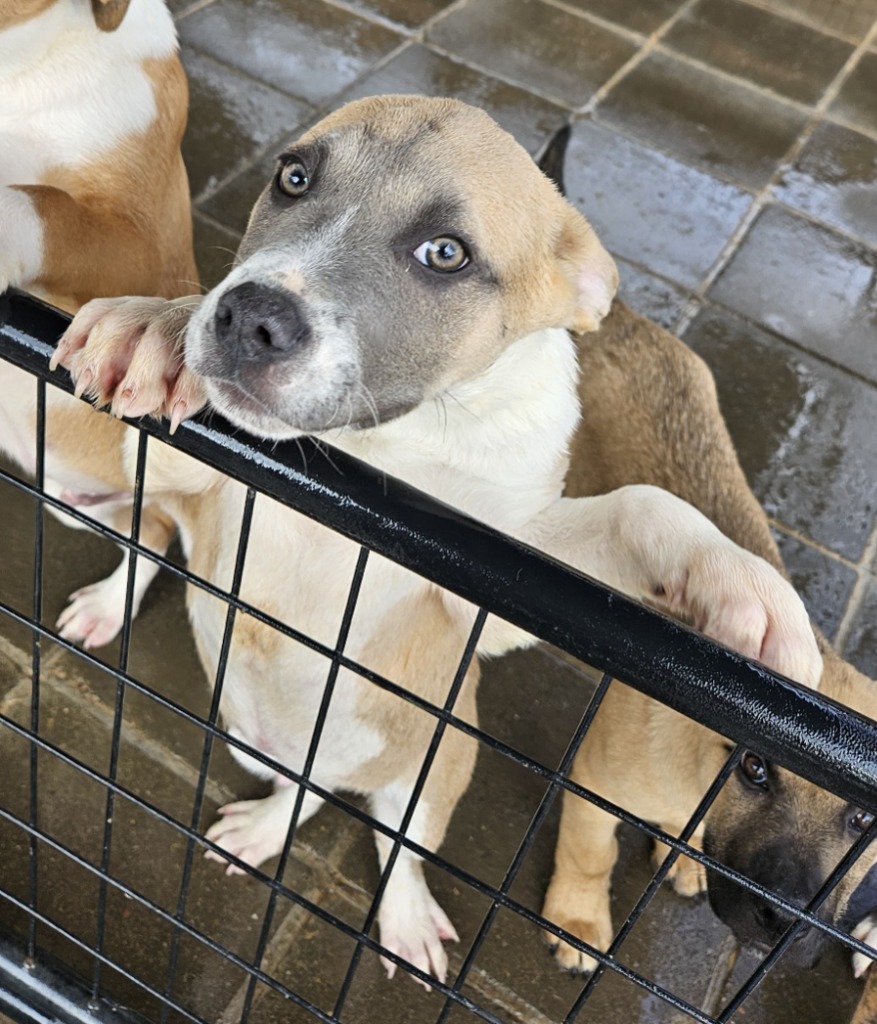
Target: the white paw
(251, 830)
(866, 931)
(94, 615)
(128, 353)
(415, 930)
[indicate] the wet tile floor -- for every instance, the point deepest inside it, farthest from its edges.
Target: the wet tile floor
(726, 151)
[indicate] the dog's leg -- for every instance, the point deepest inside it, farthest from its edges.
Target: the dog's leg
(653, 546)
(95, 613)
(411, 922)
(254, 830)
(687, 876)
(578, 896)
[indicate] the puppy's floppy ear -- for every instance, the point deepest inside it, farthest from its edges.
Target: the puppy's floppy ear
(589, 268)
(108, 14)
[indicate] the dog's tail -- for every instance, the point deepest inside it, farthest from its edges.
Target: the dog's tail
(553, 156)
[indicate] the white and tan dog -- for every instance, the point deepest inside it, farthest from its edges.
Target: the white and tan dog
(404, 290)
(94, 201)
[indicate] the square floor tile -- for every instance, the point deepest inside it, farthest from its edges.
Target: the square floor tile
(861, 644)
(215, 249)
(648, 207)
(857, 100)
(782, 55)
(231, 116)
(422, 71)
(231, 205)
(804, 431)
(723, 127)
(650, 296)
(835, 179)
(309, 49)
(824, 583)
(851, 18)
(645, 16)
(409, 14)
(541, 47)
(810, 285)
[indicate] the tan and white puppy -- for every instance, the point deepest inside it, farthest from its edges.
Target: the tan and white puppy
(94, 201)
(651, 416)
(404, 291)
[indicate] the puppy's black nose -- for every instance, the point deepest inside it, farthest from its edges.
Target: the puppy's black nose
(259, 323)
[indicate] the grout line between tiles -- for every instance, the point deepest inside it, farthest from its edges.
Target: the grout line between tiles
(864, 575)
(193, 8)
(815, 545)
(764, 195)
(800, 18)
(647, 48)
(631, 35)
(498, 76)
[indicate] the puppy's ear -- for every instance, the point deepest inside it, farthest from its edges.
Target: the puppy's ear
(108, 14)
(589, 268)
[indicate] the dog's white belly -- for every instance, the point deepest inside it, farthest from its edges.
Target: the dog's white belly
(299, 572)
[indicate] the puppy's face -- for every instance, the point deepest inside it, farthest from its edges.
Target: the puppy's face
(403, 244)
(788, 835)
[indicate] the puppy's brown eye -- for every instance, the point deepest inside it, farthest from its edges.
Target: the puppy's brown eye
(861, 821)
(293, 179)
(444, 254)
(754, 769)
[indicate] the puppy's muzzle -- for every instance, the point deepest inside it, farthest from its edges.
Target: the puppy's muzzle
(255, 323)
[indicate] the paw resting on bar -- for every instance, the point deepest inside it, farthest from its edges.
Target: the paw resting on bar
(127, 353)
(741, 601)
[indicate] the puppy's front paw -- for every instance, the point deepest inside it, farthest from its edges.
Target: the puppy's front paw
(686, 876)
(866, 931)
(128, 353)
(743, 602)
(580, 906)
(596, 933)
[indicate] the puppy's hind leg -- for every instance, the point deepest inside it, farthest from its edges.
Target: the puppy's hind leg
(255, 830)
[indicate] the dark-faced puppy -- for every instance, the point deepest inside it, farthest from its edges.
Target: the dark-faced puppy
(651, 416)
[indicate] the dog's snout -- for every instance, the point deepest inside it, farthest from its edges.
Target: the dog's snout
(259, 322)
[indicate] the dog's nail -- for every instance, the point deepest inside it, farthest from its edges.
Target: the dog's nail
(178, 414)
(83, 382)
(56, 356)
(122, 403)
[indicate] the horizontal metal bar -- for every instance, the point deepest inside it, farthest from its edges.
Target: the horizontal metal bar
(34, 993)
(831, 745)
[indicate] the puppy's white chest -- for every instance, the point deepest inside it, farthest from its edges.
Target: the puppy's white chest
(69, 94)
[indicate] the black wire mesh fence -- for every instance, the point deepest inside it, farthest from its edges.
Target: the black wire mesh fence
(104, 879)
